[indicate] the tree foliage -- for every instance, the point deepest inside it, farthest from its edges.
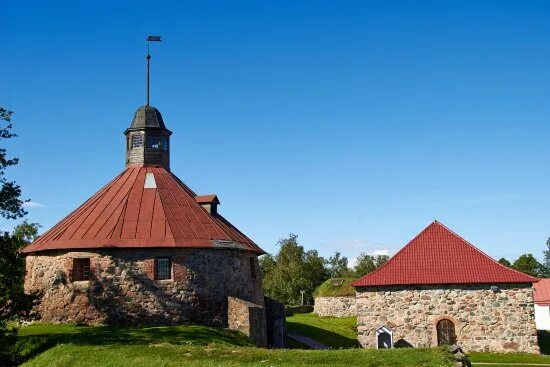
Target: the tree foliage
(505, 262)
(293, 269)
(14, 303)
(545, 266)
(368, 263)
(527, 264)
(11, 205)
(338, 266)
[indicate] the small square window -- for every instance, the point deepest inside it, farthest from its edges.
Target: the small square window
(252, 267)
(81, 269)
(164, 143)
(163, 268)
(137, 141)
(153, 141)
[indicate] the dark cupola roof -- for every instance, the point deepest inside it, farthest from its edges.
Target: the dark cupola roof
(147, 139)
(147, 117)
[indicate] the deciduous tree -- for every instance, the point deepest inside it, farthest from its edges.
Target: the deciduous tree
(367, 263)
(292, 270)
(338, 266)
(14, 303)
(505, 262)
(545, 266)
(527, 264)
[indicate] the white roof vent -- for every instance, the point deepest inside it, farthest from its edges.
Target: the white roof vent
(150, 181)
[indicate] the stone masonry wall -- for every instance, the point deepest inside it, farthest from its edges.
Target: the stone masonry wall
(122, 289)
(484, 320)
(248, 318)
(335, 306)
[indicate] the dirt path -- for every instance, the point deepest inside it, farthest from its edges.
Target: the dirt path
(312, 343)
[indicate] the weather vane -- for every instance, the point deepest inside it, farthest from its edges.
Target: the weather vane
(149, 40)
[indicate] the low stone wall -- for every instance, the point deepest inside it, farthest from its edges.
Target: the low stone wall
(335, 306)
(122, 288)
(484, 320)
(248, 318)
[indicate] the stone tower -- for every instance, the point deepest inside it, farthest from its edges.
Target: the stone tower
(148, 139)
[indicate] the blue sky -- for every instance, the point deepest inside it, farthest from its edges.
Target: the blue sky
(353, 124)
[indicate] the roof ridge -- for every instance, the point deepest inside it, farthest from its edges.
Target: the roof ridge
(167, 208)
(483, 253)
(392, 259)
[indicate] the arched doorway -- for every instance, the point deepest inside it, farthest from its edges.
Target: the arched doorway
(445, 332)
(384, 338)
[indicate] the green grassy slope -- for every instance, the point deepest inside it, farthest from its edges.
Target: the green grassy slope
(335, 287)
(37, 338)
(336, 332)
(70, 345)
(166, 355)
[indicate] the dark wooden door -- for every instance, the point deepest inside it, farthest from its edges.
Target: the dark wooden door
(445, 332)
(384, 340)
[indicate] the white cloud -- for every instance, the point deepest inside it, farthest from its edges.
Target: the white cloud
(353, 248)
(32, 204)
(381, 252)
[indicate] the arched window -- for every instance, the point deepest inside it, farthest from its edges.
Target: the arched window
(446, 332)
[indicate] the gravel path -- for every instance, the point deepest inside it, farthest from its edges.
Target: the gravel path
(312, 343)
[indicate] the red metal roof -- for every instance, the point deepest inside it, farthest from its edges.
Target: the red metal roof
(542, 292)
(142, 207)
(439, 256)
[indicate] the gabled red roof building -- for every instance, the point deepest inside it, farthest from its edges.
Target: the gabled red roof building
(542, 304)
(440, 289)
(147, 249)
(542, 292)
(437, 255)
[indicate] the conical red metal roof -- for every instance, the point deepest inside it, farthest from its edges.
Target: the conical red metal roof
(440, 256)
(143, 207)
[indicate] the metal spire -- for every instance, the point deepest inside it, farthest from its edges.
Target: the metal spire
(148, 57)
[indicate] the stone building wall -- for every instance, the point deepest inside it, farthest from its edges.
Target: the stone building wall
(335, 306)
(484, 320)
(122, 288)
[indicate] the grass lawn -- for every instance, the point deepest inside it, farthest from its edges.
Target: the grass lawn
(522, 359)
(336, 332)
(69, 345)
(67, 355)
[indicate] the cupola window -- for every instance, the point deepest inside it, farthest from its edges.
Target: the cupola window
(153, 141)
(137, 141)
(164, 143)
